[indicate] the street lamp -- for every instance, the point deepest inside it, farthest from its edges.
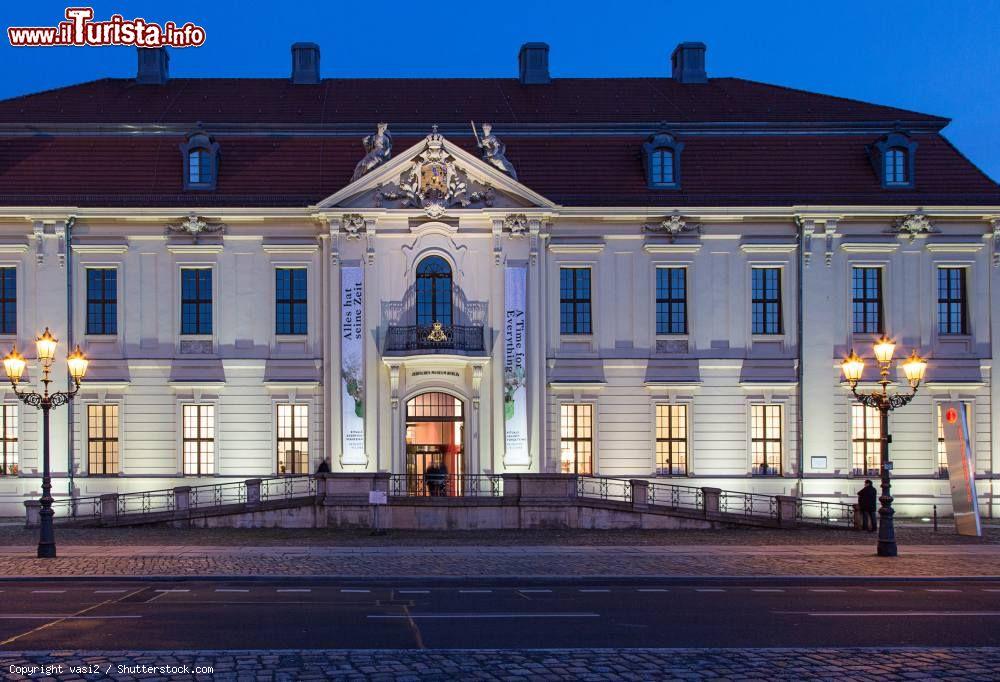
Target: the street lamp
(913, 367)
(14, 364)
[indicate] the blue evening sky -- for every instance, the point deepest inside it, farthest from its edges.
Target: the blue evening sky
(930, 56)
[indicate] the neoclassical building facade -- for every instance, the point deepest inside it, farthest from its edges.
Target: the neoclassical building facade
(646, 278)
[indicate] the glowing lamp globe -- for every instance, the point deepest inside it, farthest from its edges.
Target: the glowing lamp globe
(14, 364)
(853, 367)
(46, 344)
(884, 348)
(914, 368)
(77, 363)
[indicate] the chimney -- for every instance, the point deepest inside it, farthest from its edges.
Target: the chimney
(689, 63)
(305, 63)
(153, 62)
(533, 60)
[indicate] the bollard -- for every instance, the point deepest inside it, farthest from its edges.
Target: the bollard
(935, 518)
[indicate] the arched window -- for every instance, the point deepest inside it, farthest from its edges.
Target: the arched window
(662, 157)
(433, 291)
(199, 167)
(895, 166)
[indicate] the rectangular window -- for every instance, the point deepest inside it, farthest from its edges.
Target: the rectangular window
(293, 439)
(290, 301)
(671, 440)
(766, 301)
(102, 301)
(671, 300)
(9, 463)
(198, 439)
(867, 300)
(574, 301)
(765, 439)
(866, 443)
(8, 300)
(577, 445)
(942, 453)
(196, 301)
(102, 440)
(951, 301)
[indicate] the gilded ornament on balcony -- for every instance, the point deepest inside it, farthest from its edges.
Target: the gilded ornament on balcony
(437, 334)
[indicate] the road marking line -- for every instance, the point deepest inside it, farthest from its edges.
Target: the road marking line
(480, 615)
(295, 589)
(475, 591)
(653, 589)
(356, 591)
(594, 590)
(941, 590)
(413, 591)
(765, 589)
(534, 591)
(21, 616)
(885, 590)
(708, 589)
(48, 591)
(987, 589)
(172, 590)
(230, 589)
(891, 614)
(109, 591)
(822, 589)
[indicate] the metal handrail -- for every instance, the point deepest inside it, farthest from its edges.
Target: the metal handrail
(748, 504)
(604, 488)
(445, 485)
(287, 487)
(825, 512)
(675, 496)
(77, 507)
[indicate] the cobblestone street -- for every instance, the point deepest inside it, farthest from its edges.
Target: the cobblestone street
(559, 664)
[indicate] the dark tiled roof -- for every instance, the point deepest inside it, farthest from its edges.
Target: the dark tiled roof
(439, 100)
(587, 171)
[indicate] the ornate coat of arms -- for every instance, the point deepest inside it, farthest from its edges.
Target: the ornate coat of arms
(433, 183)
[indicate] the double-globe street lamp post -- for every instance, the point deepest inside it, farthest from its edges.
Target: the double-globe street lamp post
(913, 367)
(14, 365)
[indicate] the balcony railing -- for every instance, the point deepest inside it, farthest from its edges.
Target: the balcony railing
(430, 339)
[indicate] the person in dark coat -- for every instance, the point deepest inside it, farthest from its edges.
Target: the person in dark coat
(867, 504)
(432, 476)
(324, 467)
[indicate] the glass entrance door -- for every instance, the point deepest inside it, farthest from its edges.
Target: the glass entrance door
(435, 437)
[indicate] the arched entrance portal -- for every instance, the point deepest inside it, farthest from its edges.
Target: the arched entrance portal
(435, 444)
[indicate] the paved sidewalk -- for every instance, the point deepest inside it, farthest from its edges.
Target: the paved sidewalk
(555, 664)
(490, 561)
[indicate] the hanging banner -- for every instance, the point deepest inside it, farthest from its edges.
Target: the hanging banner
(515, 394)
(352, 388)
(961, 468)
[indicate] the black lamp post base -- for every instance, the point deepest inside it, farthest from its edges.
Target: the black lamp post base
(887, 548)
(47, 550)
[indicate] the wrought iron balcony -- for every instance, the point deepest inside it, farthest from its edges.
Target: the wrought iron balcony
(436, 338)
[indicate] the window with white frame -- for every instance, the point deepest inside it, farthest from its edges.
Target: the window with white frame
(574, 301)
(866, 440)
(952, 301)
(196, 301)
(102, 440)
(293, 438)
(198, 430)
(766, 430)
(577, 439)
(671, 440)
(671, 300)
(8, 300)
(10, 464)
(866, 300)
(942, 452)
(766, 301)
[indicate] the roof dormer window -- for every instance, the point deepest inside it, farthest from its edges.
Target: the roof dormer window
(892, 158)
(201, 161)
(662, 155)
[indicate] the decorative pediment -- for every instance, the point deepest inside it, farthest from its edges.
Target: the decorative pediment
(435, 177)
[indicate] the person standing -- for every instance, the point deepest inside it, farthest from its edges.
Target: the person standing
(868, 503)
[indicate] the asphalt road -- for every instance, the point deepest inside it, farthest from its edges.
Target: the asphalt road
(308, 613)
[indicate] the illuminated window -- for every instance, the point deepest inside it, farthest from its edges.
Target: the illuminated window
(671, 440)
(574, 301)
(102, 440)
(952, 301)
(577, 443)
(199, 440)
(765, 439)
(671, 301)
(866, 443)
(293, 439)
(102, 301)
(196, 301)
(942, 453)
(766, 301)
(867, 300)
(9, 463)
(290, 313)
